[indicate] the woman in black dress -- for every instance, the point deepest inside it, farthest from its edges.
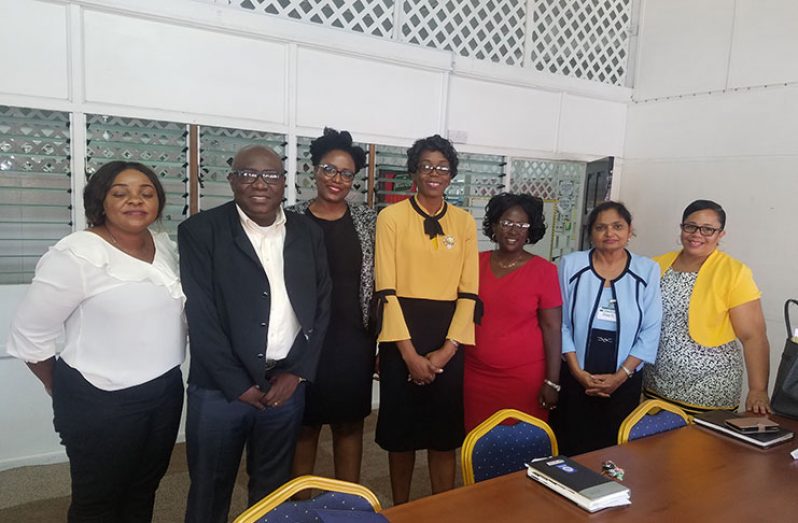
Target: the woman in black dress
(341, 393)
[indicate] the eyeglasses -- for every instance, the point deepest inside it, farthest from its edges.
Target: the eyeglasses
(427, 168)
(705, 230)
(331, 171)
(508, 225)
(248, 176)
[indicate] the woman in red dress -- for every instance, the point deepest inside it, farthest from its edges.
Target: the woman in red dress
(515, 362)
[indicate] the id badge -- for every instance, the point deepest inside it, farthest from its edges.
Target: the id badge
(604, 314)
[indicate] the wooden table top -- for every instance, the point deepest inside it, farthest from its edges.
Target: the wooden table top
(692, 474)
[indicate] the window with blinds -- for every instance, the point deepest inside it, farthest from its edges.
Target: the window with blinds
(392, 183)
(306, 183)
(162, 146)
(479, 177)
(218, 146)
(35, 188)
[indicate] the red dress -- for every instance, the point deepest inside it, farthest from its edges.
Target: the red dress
(507, 366)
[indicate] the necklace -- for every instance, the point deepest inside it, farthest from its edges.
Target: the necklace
(119, 246)
(506, 265)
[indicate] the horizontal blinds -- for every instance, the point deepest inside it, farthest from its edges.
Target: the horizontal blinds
(35, 188)
(392, 183)
(162, 146)
(218, 147)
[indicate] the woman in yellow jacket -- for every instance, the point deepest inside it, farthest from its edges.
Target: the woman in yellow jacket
(709, 300)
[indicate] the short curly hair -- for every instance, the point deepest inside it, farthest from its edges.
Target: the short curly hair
(432, 143)
(531, 205)
(333, 140)
(100, 183)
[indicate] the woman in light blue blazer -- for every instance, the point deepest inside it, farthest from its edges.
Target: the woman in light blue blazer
(611, 324)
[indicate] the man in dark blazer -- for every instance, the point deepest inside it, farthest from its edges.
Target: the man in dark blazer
(258, 298)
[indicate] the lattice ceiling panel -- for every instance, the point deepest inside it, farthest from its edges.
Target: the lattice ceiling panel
(484, 29)
(374, 17)
(584, 39)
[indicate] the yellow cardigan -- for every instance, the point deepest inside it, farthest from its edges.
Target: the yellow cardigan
(722, 284)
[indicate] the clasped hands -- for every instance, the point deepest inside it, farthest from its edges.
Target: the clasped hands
(282, 388)
(422, 370)
(601, 385)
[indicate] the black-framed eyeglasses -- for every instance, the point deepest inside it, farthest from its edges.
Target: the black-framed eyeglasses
(427, 168)
(705, 230)
(331, 171)
(508, 225)
(248, 176)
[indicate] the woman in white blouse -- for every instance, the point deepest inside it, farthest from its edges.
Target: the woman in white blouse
(117, 390)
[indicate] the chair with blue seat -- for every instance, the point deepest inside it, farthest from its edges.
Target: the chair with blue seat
(649, 418)
(339, 497)
(492, 449)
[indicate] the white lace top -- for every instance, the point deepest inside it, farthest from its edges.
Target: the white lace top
(122, 318)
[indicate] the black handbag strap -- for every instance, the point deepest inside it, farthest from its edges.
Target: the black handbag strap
(787, 321)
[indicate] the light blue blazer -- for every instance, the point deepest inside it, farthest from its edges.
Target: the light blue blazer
(638, 306)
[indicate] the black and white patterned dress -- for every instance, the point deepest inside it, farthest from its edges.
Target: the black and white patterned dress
(686, 373)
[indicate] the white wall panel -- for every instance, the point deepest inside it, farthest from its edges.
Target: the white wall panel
(33, 49)
(501, 115)
(765, 43)
(366, 96)
(137, 62)
(683, 47)
(762, 122)
(589, 126)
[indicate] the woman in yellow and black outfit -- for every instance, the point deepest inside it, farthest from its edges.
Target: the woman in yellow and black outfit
(427, 274)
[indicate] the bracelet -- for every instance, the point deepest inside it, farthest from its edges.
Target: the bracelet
(553, 385)
(629, 373)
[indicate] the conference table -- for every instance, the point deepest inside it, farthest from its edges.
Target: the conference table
(684, 475)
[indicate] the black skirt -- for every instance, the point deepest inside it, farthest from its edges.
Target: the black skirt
(585, 423)
(411, 416)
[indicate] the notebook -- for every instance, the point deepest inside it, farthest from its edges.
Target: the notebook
(716, 420)
(589, 490)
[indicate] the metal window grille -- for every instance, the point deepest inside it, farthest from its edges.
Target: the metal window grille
(162, 146)
(306, 184)
(35, 188)
(556, 181)
(484, 29)
(218, 146)
(587, 39)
